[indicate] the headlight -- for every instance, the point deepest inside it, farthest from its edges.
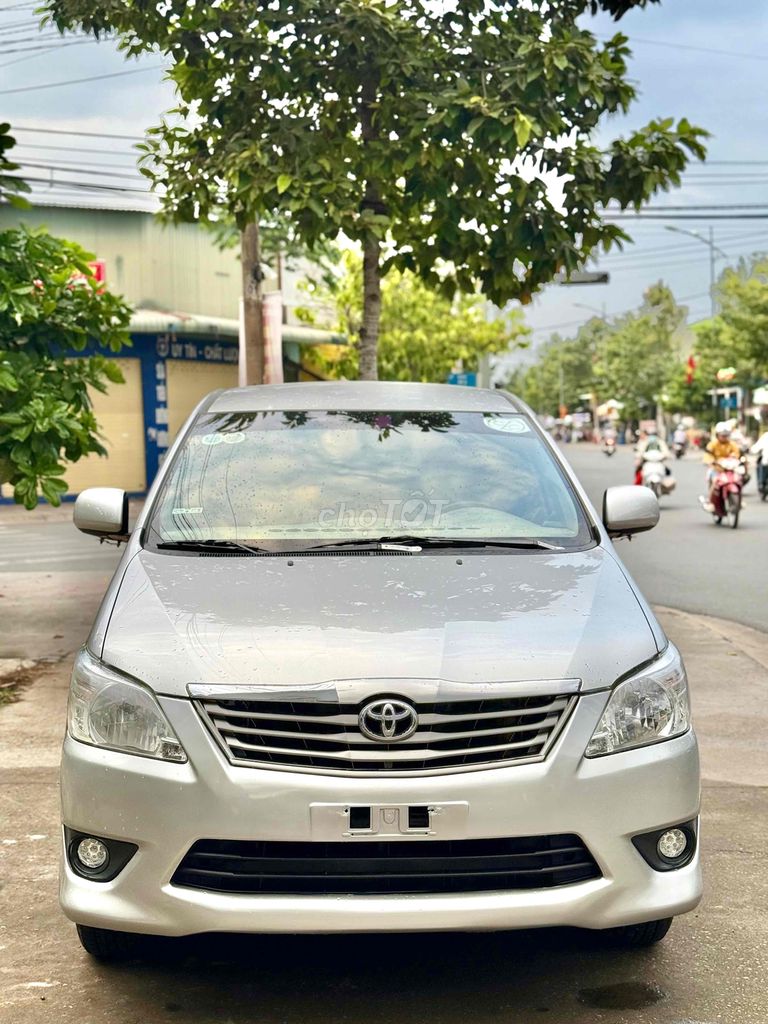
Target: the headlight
(108, 710)
(648, 707)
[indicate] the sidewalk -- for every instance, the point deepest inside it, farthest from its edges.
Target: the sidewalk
(711, 968)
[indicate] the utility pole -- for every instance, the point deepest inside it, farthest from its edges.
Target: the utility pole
(714, 251)
(252, 325)
(713, 304)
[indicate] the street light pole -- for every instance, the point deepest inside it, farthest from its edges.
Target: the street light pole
(710, 242)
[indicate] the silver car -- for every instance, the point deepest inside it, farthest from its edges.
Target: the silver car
(370, 663)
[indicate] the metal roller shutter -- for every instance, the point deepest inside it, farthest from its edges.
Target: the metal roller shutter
(120, 415)
(188, 382)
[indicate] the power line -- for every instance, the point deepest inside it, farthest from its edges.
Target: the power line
(46, 47)
(79, 81)
(84, 185)
(90, 135)
(102, 174)
(697, 49)
(60, 46)
(621, 312)
(689, 216)
(700, 206)
(71, 149)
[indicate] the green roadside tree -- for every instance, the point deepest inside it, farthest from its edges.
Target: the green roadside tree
(423, 333)
(637, 356)
(49, 304)
(743, 298)
(456, 140)
(562, 373)
(737, 337)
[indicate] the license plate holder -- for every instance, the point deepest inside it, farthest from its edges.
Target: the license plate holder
(332, 822)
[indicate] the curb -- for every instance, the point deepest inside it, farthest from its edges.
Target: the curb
(745, 639)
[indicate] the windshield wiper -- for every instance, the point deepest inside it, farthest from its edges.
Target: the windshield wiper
(411, 541)
(210, 545)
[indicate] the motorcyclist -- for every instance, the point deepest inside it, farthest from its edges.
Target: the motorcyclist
(650, 443)
(680, 437)
(720, 447)
(760, 449)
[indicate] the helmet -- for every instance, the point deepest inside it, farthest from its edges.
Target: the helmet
(722, 428)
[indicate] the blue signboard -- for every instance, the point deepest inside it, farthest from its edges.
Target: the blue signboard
(468, 380)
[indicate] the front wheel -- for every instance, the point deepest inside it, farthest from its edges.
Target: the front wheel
(638, 936)
(734, 507)
(110, 946)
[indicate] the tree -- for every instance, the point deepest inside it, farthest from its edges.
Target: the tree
(636, 359)
(425, 132)
(562, 373)
(50, 303)
(423, 334)
(743, 298)
(737, 337)
(631, 358)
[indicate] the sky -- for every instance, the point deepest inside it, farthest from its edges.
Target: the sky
(702, 59)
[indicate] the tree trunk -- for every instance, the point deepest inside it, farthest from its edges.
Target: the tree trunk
(252, 355)
(369, 331)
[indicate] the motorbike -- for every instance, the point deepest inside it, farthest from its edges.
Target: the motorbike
(654, 475)
(726, 491)
(609, 446)
(678, 448)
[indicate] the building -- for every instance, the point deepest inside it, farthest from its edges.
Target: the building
(184, 331)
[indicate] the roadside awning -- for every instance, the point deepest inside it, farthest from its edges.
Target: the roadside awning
(189, 325)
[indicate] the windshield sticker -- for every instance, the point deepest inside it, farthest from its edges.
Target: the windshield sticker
(507, 424)
(236, 438)
(211, 439)
(187, 511)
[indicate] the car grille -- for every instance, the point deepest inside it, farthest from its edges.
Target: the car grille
(369, 868)
(451, 735)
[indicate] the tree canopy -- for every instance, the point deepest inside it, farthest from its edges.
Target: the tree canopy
(430, 134)
(631, 358)
(50, 304)
(423, 333)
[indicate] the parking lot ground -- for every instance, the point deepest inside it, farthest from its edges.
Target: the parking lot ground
(711, 968)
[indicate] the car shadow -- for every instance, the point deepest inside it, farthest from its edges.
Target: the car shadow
(556, 974)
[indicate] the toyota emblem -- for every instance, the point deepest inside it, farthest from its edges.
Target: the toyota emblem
(388, 720)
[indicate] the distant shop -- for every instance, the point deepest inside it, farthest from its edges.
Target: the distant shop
(174, 361)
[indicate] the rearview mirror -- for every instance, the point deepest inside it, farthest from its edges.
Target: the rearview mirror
(630, 509)
(102, 512)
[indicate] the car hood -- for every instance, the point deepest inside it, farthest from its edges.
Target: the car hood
(180, 620)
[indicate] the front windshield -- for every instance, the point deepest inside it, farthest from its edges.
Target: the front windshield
(291, 480)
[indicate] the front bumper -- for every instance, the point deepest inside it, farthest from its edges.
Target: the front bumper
(165, 808)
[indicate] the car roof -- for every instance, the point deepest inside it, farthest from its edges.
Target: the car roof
(362, 396)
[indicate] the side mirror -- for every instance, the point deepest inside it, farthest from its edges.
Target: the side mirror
(629, 510)
(102, 512)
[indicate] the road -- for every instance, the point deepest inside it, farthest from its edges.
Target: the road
(687, 562)
(710, 970)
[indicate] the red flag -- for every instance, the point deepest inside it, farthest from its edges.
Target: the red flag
(691, 364)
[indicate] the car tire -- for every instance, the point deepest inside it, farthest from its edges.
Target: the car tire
(638, 936)
(108, 945)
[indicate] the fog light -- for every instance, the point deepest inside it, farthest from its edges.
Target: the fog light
(92, 853)
(672, 844)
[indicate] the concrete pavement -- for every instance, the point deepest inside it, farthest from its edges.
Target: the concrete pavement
(711, 968)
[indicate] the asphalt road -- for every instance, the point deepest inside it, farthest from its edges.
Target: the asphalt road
(687, 561)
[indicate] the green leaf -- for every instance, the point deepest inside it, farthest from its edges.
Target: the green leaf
(523, 128)
(283, 183)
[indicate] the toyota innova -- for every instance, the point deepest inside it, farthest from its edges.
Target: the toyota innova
(370, 662)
